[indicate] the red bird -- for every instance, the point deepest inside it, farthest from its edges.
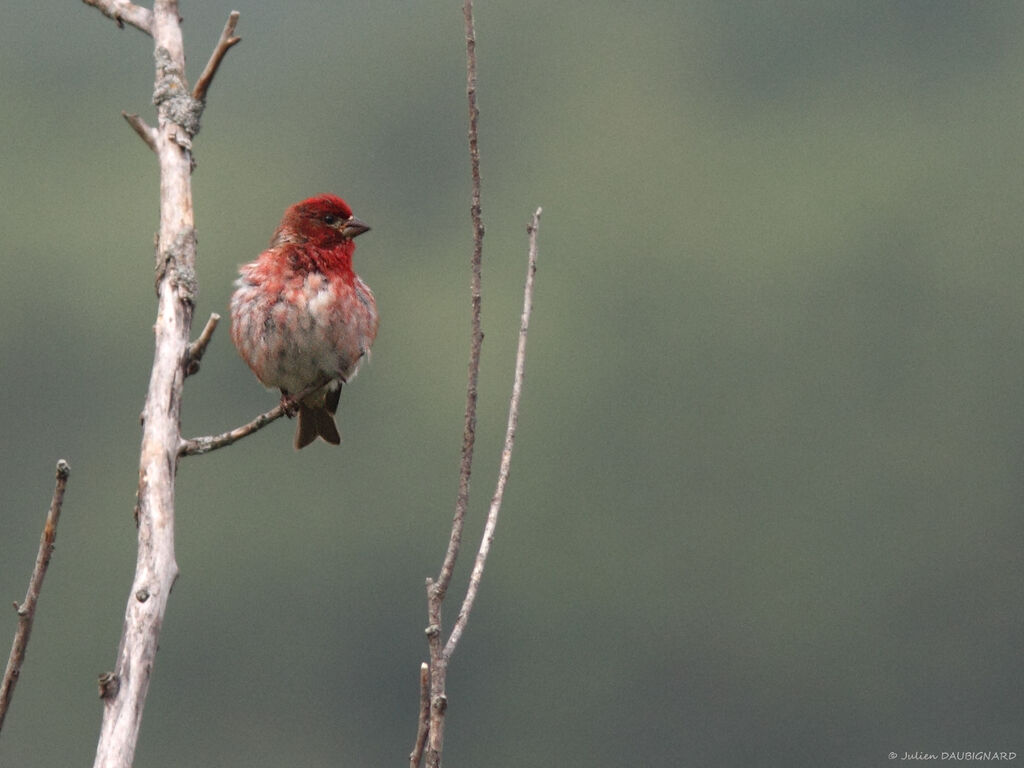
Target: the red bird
(300, 315)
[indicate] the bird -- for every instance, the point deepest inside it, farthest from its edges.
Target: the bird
(301, 316)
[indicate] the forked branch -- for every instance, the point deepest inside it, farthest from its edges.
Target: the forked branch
(434, 699)
(434, 703)
(438, 588)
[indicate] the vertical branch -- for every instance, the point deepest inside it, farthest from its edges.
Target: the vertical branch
(436, 590)
(477, 334)
(27, 610)
(124, 689)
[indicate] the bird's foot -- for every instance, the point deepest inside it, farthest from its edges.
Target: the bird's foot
(290, 405)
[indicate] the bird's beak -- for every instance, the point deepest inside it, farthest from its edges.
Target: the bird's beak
(354, 227)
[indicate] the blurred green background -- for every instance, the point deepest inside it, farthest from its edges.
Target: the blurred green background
(766, 503)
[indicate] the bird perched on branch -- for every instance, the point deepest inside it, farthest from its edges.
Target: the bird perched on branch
(300, 315)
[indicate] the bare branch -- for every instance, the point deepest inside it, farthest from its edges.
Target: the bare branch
(145, 131)
(122, 11)
(197, 348)
(477, 338)
(27, 610)
(437, 589)
(424, 724)
(433, 709)
(124, 689)
(506, 453)
(440, 586)
(227, 40)
(199, 445)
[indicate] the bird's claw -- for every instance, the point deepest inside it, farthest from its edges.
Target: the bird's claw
(290, 405)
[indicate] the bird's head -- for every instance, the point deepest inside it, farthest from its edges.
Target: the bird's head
(325, 221)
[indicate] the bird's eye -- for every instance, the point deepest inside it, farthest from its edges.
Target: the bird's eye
(330, 219)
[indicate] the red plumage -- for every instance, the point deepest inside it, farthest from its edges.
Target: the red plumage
(300, 315)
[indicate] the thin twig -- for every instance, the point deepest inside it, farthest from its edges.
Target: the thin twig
(122, 11)
(199, 445)
(424, 724)
(146, 132)
(197, 348)
(227, 40)
(27, 610)
(506, 453)
(473, 377)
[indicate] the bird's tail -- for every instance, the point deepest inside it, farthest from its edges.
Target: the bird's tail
(314, 422)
